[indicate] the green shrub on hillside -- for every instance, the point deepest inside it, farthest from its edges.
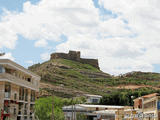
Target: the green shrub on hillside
(125, 97)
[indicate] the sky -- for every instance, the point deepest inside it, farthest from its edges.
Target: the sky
(123, 35)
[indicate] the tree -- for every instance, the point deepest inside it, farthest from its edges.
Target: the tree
(81, 116)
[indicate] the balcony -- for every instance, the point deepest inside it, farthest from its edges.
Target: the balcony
(18, 81)
(7, 95)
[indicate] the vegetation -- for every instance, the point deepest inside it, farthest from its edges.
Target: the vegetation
(83, 78)
(66, 78)
(81, 116)
(43, 107)
(125, 97)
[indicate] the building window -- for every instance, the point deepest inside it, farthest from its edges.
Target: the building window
(25, 118)
(7, 90)
(26, 95)
(21, 93)
(25, 108)
(29, 79)
(15, 96)
(94, 100)
(33, 95)
(15, 112)
(2, 70)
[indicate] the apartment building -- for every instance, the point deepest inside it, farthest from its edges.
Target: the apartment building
(19, 88)
(148, 106)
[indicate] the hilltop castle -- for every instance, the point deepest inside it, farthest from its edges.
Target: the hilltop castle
(75, 56)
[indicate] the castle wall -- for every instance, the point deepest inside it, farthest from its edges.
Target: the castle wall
(93, 62)
(75, 56)
(59, 55)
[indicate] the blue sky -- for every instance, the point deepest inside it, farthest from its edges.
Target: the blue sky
(25, 49)
(113, 32)
(14, 5)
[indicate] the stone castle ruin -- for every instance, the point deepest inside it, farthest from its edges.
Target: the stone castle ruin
(75, 56)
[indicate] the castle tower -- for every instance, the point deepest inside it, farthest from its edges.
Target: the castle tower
(74, 55)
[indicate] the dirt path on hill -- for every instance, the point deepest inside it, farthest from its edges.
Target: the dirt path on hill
(62, 89)
(132, 87)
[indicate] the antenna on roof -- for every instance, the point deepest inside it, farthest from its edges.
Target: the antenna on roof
(2, 54)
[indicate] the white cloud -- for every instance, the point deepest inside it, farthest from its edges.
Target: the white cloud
(30, 62)
(45, 56)
(7, 56)
(41, 43)
(120, 47)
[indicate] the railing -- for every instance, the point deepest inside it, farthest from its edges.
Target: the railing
(17, 80)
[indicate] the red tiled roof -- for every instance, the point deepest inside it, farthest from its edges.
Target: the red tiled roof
(150, 95)
(146, 96)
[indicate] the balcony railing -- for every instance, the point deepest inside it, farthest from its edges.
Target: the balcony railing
(7, 95)
(17, 80)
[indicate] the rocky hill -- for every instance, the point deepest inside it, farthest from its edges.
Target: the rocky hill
(67, 78)
(67, 75)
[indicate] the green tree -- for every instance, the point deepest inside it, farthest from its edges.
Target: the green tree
(81, 116)
(43, 107)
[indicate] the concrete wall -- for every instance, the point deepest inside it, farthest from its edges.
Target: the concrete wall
(138, 103)
(1, 94)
